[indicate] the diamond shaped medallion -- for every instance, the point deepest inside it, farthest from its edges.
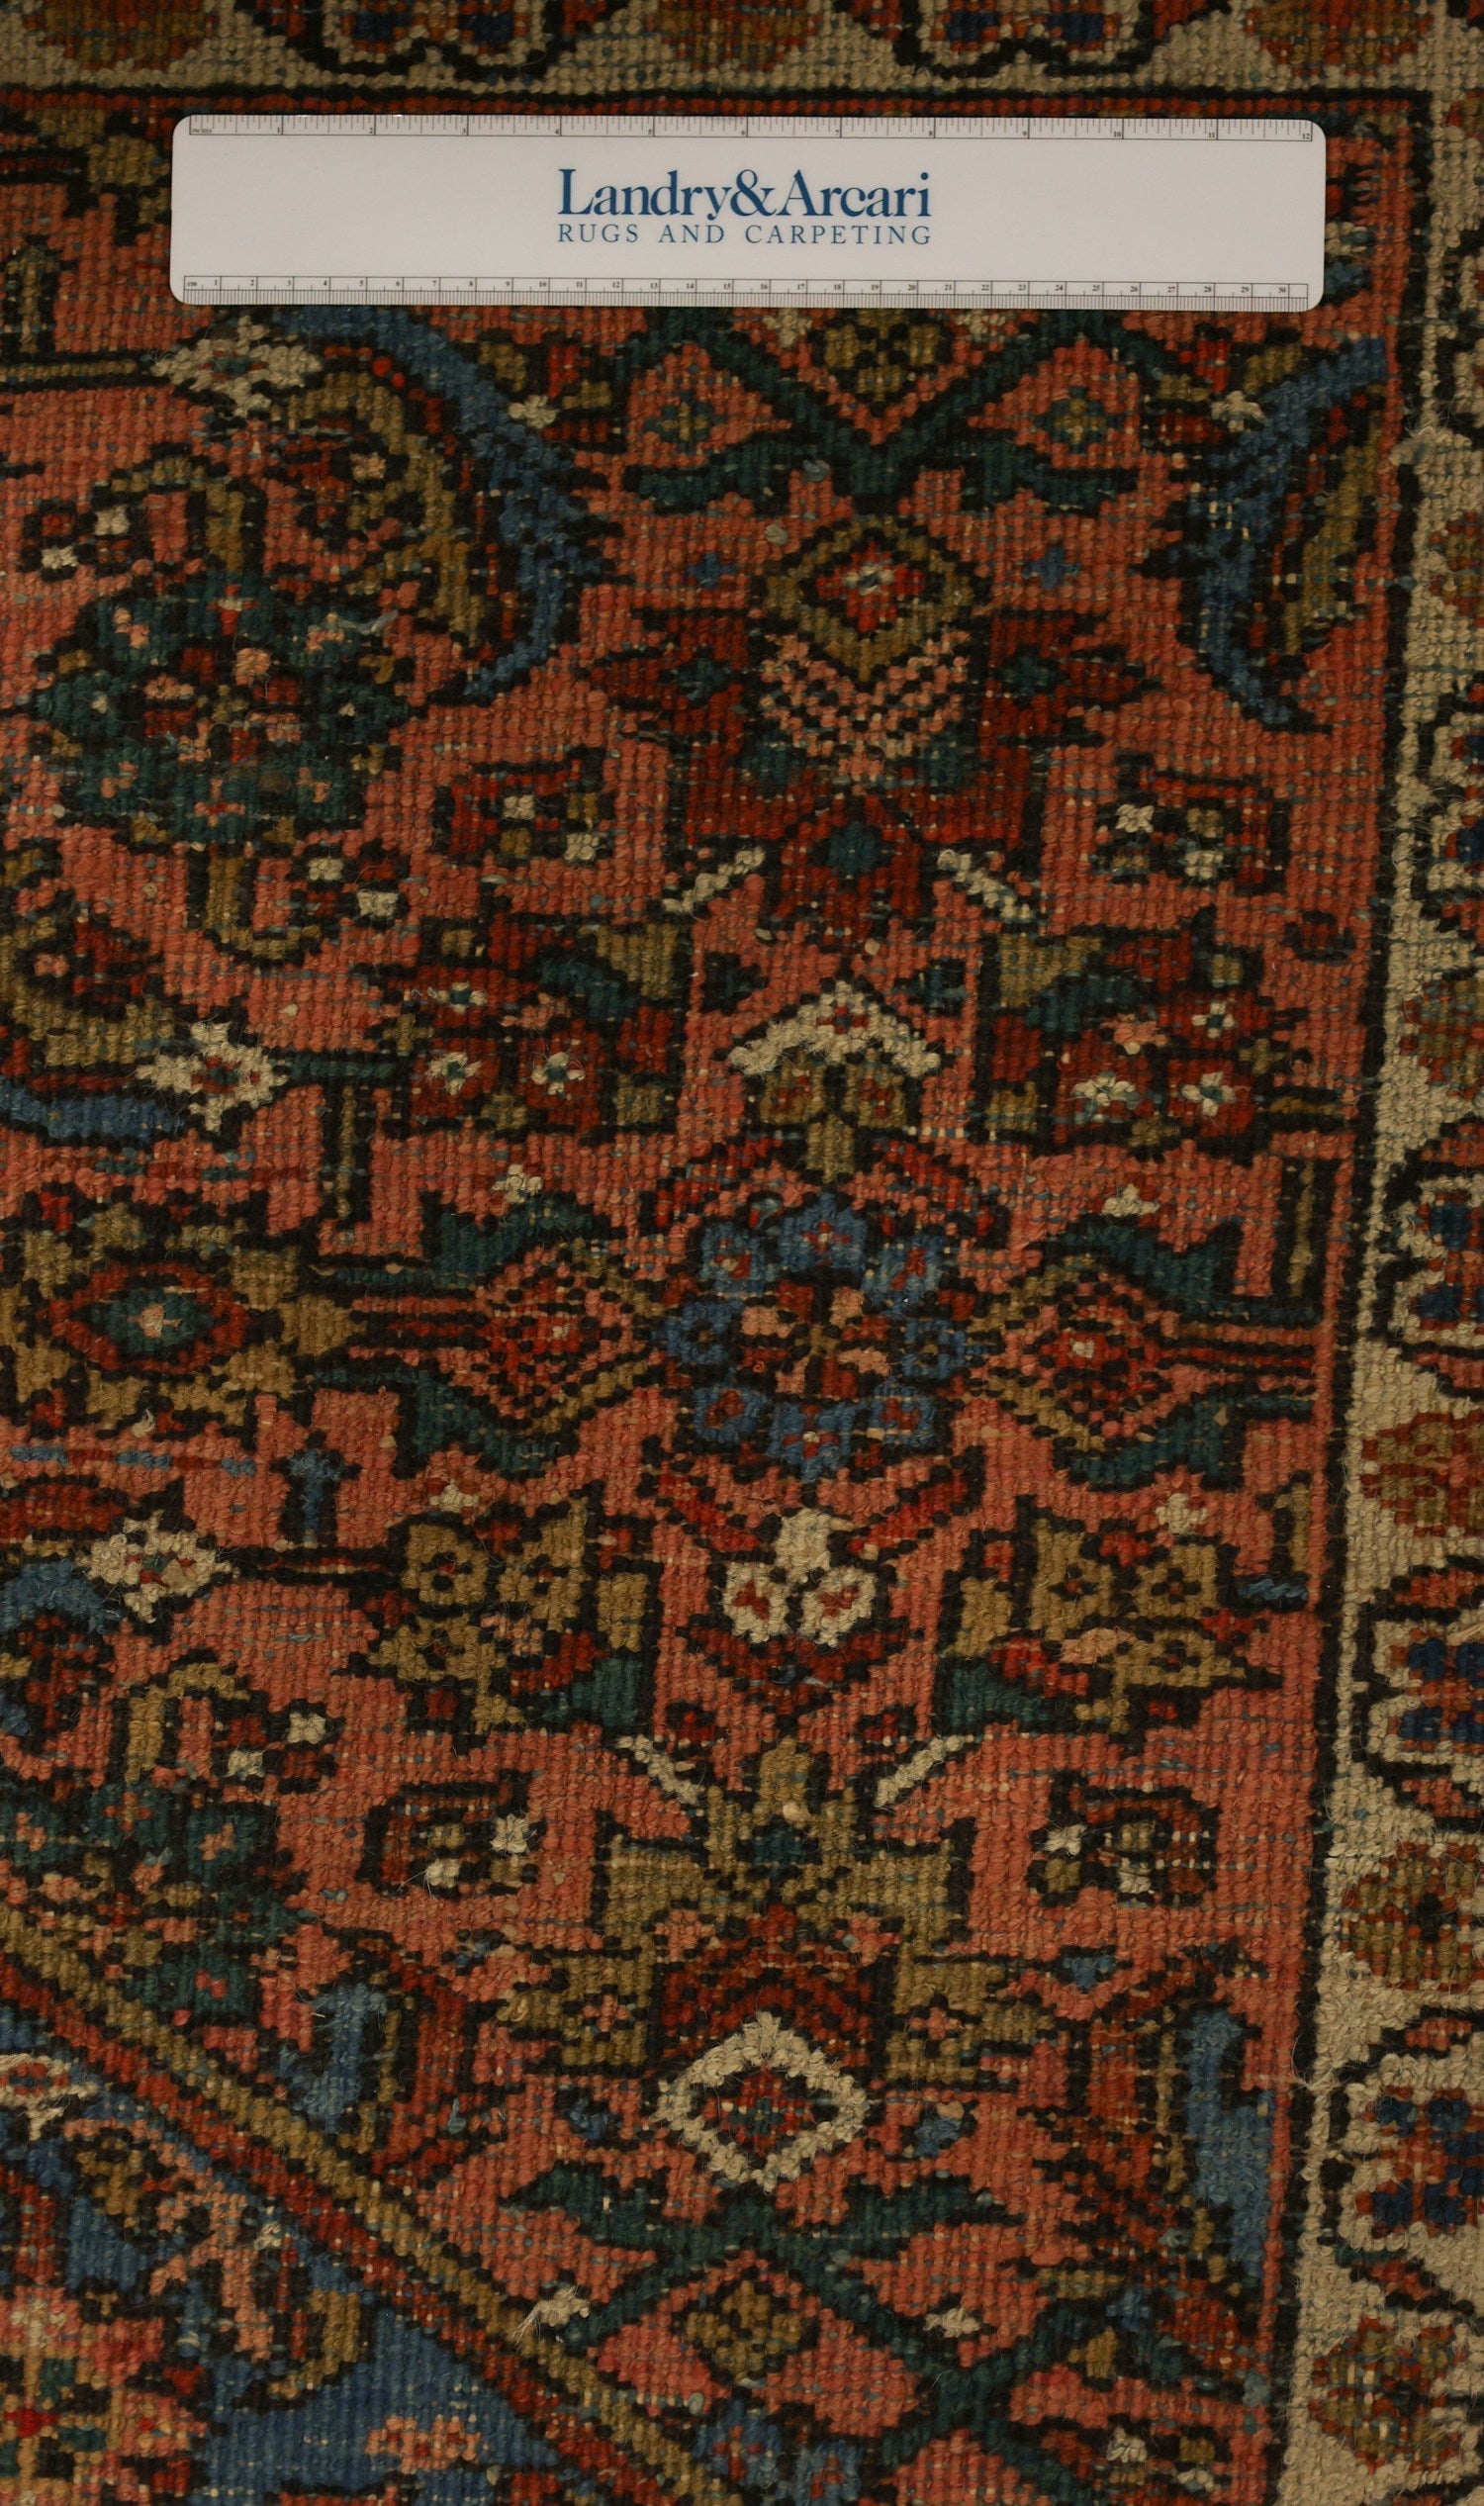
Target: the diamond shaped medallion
(763, 2105)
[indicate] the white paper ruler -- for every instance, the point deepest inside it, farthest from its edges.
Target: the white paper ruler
(502, 209)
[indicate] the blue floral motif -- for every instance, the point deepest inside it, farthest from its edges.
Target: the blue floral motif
(813, 1340)
(825, 1235)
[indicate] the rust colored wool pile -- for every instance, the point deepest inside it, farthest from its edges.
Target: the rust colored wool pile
(742, 1513)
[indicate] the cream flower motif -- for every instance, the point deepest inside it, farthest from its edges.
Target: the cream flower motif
(1100, 1095)
(218, 1075)
(147, 1566)
(455, 1071)
(830, 1609)
(244, 364)
(802, 1586)
(1209, 1093)
(756, 1601)
(557, 1074)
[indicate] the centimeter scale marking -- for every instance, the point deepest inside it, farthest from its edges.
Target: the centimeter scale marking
(958, 296)
(1004, 213)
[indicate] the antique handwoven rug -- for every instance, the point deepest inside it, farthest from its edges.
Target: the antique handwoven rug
(742, 1292)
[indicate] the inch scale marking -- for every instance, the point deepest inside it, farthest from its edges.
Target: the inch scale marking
(705, 126)
(952, 213)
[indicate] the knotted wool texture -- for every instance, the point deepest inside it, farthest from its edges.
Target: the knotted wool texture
(742, 1292)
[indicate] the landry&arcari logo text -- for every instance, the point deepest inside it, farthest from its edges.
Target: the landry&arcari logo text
(791, 212)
